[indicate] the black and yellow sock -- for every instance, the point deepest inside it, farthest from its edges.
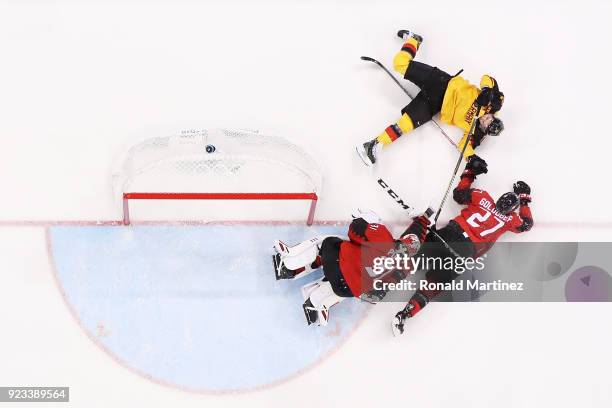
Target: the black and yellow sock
(406, 55)
(395, 131)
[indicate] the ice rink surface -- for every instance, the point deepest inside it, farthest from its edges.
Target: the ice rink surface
(80, 81)
(178, 304)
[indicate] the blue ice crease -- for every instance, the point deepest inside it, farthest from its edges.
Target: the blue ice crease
(196, 306)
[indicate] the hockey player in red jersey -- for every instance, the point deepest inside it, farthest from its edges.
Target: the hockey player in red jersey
(346, 263)
(472, 232)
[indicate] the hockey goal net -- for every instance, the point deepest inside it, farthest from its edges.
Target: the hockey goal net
(221, 165)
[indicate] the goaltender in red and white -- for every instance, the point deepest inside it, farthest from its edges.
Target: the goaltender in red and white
(347, 264)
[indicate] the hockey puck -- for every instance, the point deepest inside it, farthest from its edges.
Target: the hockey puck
(210, 148)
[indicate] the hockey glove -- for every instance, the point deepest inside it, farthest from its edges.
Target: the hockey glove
(497, 102)
(419, 227)
(359, 227)
(485, 97)
(523, 191)
(476, 166)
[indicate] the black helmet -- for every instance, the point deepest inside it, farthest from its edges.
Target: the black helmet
(507, 203)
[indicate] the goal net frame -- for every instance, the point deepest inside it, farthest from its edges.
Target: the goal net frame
(204, 151)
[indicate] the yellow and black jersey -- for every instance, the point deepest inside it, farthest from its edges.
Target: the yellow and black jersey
(459, 105)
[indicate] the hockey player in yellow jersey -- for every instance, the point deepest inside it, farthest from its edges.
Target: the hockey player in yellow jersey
(453, 97)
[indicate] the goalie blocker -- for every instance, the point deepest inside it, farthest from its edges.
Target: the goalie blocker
(346, 263)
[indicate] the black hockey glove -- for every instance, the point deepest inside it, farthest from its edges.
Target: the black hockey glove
(476, 165)
(497, 102)
(359, 226)
(485, 97)
(523, 191)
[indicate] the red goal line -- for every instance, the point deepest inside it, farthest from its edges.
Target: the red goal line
(220, 196)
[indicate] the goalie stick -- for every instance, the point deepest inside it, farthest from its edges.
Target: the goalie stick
(370, 59)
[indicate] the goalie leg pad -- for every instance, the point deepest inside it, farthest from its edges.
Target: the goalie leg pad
(297, 261)
(319, 298)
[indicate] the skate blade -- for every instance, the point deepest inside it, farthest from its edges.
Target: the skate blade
(363, 156)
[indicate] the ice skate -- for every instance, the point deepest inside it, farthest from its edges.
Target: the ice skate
(369, 151)
(280, 270)
(405, 34)
(397, 324)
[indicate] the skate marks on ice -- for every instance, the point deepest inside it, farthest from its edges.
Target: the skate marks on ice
(196, 308)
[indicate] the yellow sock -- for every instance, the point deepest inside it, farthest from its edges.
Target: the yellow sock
(405, 56)
(393, 132)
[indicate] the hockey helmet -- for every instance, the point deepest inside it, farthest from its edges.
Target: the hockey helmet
(507, 203)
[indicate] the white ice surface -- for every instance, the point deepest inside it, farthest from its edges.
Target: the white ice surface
(82, 80)
(179, 305)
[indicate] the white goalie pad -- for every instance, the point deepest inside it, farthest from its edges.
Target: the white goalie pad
(322, 298)
(300, 255)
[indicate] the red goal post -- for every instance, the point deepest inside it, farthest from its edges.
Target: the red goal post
(217, 165)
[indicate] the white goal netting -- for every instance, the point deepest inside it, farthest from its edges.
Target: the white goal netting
(215, 161)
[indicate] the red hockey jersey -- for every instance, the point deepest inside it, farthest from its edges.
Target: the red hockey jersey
(367, 242)
(481, 221)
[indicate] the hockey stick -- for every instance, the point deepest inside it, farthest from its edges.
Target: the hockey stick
(398, 200)
(450, 185)
(370, 59)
